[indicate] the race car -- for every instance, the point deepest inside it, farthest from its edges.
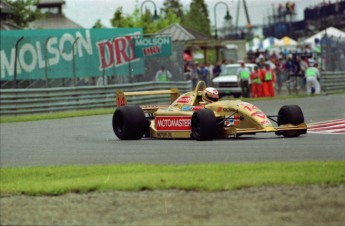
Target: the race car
(189, 117)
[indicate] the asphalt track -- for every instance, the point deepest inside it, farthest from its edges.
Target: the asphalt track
(90, 141)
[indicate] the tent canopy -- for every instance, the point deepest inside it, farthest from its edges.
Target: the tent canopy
(286, 41)
(269, 42)
(331, 31)
(254, 44)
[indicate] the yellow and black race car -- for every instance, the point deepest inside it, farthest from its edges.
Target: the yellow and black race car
(189, 117)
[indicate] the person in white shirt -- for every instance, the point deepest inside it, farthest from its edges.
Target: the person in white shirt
(312, 75)
(163, 75)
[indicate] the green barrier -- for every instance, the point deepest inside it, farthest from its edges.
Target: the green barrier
(67, 53)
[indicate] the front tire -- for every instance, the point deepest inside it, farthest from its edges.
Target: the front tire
(204, 125)
(290, 114)
(129, 123)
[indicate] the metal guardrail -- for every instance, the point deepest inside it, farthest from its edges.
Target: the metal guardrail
(45, 100)
(332, 82)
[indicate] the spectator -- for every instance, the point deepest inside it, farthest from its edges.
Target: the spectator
(203, 74)
(268, 81)
(256, 83)
(216, 70)
(303, 68)
(195, 74)
(163, 75)
(313, 75)
(222, 66)
(243, 76)
(291, 67)
(210, 68)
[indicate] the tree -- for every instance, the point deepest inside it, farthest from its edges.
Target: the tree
(24, 11)
(119, 19)
(145, 20)
(197, 17)
(173, 5)
(98, 24)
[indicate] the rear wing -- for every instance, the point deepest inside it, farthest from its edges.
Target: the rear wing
(121, 99)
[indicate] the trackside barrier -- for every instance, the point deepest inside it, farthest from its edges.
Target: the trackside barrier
(332, 82)
(46, 100)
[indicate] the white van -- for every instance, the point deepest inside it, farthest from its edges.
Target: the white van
(226, 83)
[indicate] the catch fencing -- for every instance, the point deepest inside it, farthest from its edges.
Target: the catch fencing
(332, 53)
(46, 100)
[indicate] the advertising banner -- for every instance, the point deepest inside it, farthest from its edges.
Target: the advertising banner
(62, 53)
(152, 46)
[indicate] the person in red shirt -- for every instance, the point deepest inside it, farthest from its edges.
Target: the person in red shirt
(256, 82)
(268, 78)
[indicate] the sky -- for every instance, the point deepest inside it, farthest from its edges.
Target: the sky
(87, 12)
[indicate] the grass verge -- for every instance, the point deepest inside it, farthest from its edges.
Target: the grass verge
(136, 177)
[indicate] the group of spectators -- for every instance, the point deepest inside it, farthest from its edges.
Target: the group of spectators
(290, 8)
(324, 9)
(288, 67)
(196, 71)
(258, 82)
(272, 70)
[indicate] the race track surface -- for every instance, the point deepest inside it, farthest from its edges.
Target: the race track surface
(91, 141)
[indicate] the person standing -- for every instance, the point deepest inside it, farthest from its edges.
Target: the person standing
(243, 76)
(256, 83)
(204, 74)
(268, 81)
(312, 75)
(303, 67)
(223, 66)
(216, 70)
(163, 75)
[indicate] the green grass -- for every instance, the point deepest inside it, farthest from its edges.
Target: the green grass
(199, 177)
(55, 115)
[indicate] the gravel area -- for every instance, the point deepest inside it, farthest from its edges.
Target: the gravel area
(283, 205)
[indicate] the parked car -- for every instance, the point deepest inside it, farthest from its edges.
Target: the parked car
(227, 83)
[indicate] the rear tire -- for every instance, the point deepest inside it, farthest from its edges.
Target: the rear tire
(290, 114)
(204, 125)
(129, 123)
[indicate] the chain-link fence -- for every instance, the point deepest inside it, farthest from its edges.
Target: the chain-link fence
(173, 63)
(332, 53)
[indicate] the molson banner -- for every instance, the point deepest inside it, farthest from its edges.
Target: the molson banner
(152, 47)
(97, 52)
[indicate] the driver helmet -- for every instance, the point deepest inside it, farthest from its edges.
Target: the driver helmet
(210, 95)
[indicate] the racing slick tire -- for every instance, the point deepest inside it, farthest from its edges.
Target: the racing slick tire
(290, 114)
(129, 123)
(204, 125)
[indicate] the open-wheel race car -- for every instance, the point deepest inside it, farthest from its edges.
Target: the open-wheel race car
(189, 117)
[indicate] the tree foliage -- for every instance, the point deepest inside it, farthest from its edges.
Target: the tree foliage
(24, 11)
(145, 20)
(197, 17)
(173, 5)
(172, 12)
(98, 24)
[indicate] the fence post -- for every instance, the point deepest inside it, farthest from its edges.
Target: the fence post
(15, 62)
(46, 61)
(73, 51)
